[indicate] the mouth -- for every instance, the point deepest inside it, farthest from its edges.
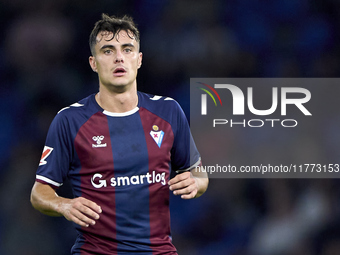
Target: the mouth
(119, 71)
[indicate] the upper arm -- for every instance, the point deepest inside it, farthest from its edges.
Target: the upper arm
(57, 153)
(43, 198)
(41, 190)
(184, 152)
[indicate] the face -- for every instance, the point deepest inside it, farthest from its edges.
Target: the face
(116, 61)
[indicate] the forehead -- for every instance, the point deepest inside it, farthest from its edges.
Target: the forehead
(120, 37)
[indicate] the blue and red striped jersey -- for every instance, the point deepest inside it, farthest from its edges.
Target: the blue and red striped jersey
(122, 162)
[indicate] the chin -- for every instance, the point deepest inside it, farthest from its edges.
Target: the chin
(120, 87)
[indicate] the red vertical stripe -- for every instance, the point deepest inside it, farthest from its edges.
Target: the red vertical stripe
(159, 158)
(97, 160)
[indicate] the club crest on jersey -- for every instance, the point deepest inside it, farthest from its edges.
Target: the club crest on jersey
(46, 152)
(98, 139)
(157, 135)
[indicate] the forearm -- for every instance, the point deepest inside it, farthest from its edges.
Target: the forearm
(79, 210)
(202, 185)
(45, 200)
(202, 181)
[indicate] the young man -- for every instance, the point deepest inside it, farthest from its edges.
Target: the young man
(118, 147)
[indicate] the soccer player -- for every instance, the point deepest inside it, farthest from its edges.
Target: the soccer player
(117, 147)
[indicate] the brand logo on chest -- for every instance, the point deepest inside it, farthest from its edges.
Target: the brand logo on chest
(98, 139)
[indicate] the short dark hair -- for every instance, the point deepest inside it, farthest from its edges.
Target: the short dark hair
(115, 25)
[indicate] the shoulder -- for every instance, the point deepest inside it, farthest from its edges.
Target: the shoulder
(158, 104)
(86, 106)
(76, 113)
(165, 108)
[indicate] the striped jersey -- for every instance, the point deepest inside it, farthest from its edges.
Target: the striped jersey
(122, 162)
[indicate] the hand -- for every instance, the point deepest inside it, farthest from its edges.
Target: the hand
(81, 211)
(184, 184)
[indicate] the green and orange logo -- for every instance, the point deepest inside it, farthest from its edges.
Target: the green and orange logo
(204, 97)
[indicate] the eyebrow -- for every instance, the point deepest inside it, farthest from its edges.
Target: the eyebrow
(112, 46)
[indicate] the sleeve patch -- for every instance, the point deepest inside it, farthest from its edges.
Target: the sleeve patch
(46, 152)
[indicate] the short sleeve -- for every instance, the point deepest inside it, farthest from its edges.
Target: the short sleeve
(56, 157)
(184, 154)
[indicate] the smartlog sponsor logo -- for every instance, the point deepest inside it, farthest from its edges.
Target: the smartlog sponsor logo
(296, 96)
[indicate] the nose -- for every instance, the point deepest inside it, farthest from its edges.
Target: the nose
(119, 57)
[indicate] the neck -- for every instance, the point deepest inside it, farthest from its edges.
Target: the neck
(117, 102)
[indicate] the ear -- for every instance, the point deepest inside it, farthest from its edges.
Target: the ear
(93, 64)
(140, 56)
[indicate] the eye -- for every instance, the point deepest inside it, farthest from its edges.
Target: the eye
(107, 51)
(127, 50)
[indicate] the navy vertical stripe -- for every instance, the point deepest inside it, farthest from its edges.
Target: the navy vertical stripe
(130, 157)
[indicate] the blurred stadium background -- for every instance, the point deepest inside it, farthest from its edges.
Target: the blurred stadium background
(44, 67)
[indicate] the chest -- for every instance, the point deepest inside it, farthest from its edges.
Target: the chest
(126, 145)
